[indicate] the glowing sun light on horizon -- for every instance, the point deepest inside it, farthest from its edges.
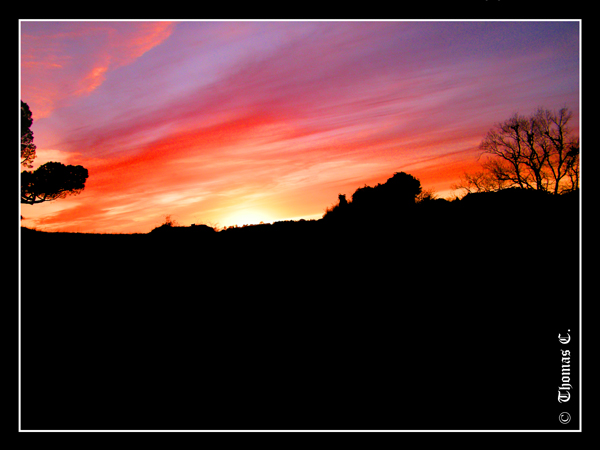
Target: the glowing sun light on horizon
(247, 217)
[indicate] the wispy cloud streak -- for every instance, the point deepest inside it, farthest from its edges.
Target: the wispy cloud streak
(173, 118)
(63, 60)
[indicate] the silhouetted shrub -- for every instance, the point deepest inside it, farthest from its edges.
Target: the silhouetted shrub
(167, 225)
(399, 191)
(378, 205)
(171, 228)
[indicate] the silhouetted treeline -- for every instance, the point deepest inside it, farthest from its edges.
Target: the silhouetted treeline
(388, 313)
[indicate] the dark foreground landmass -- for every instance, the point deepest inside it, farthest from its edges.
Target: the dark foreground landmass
(441, 317)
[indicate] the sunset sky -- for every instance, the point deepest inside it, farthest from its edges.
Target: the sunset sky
(235, 122)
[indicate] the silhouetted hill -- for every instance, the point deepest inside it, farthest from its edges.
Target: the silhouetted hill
(443, 316)
(192, 232)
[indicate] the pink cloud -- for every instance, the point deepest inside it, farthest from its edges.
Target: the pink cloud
(80, 52)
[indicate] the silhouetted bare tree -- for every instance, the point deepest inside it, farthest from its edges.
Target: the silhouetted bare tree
(481, 181)
(536, 152)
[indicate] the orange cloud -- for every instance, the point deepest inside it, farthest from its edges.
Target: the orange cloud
(91, 81)
(147, 36)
